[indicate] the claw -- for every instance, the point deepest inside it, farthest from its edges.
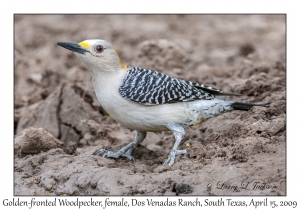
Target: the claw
(99, 152)
(128, 157)
(181, 152)
(125, 151)
(106, 153)
(170, 161)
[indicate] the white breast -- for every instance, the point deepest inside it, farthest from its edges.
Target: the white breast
(134, 115)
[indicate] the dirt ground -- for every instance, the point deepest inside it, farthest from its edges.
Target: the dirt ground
(59, 123)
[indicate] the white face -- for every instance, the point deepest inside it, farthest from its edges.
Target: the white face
(101, 55)
(97, 47)
(98, 55)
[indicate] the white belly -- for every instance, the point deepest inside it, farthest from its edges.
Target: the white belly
(134, 115)
(142, 117)
(152, 117)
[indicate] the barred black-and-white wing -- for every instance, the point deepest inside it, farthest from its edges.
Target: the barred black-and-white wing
(151, 87)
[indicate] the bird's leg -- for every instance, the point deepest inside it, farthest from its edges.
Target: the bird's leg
(178, 132)
(125, 151)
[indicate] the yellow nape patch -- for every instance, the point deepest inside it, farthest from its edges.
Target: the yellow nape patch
(120, 62)
(84, 45)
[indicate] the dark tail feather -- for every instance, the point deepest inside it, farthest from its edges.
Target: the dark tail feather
(246, 106)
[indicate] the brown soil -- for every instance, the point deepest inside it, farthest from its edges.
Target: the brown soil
(53, 92)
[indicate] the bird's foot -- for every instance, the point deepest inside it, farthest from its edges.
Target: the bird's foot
(173, 153)
(124, 152)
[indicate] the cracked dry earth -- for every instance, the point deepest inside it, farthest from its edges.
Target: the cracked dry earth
(59, 123)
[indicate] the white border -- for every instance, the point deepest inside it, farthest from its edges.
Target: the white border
(154, 6)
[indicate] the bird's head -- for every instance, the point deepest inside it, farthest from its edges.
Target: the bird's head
(98, 55)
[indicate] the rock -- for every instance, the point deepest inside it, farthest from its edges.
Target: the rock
(182, 188)
(271, 127)
(35, 140)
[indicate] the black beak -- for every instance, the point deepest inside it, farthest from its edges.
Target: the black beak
(73, 47)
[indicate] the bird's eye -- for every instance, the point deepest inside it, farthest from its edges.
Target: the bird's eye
(98, 48)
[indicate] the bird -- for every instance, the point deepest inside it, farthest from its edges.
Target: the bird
(145, 100)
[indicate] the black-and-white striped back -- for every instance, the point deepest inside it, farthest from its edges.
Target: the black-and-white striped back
(152, 87)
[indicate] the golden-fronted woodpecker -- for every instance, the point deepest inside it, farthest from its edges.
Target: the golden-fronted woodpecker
(148, 101)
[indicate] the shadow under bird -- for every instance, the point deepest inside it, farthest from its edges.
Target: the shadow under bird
(148, 101)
